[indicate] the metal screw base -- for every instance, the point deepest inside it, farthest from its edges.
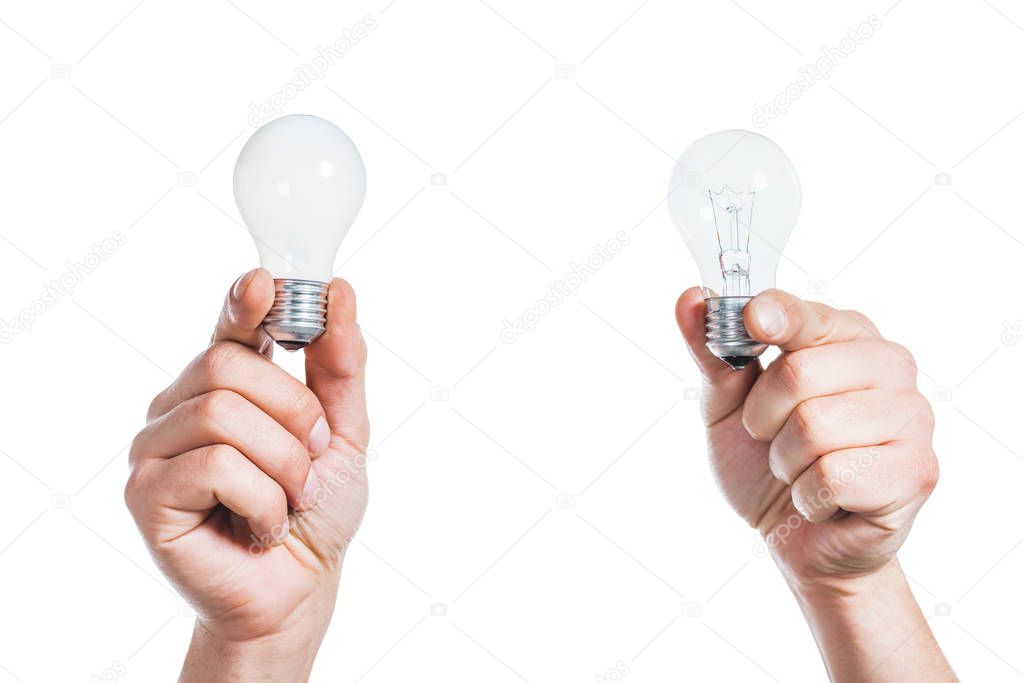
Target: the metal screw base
(299, 313)
(727, 337)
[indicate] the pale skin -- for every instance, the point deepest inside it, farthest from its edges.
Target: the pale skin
(827, 452)
(248, 485)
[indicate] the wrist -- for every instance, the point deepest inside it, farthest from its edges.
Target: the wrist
(275, 648)
(849, 593)
(286, 656)
(271, 641)
(869, 626)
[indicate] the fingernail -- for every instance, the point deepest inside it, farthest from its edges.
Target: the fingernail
(770, 316)
(797, 503)
(319, 437)
(312, 485)
(242, 285)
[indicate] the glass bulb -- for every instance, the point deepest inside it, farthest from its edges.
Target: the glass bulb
(299, 183)
(735, 198)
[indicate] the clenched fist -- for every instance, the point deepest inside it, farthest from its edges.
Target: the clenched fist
(247, 486)
(827, 452)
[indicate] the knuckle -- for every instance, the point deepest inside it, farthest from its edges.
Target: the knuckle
(815, 489)
(305, 405)
(791, 373)
(806, 420)
(828, 472)
(906, 356)
(927, 470)
(861, 320)
(215, 405)
(825, 323)
(152, 408)
(274, 504)
(924, 410)
(156, 406)
(927, 415)
(268, 500)
(135, 451)
(217, 458)
(134, 491)
(130, 490)
(218, 359)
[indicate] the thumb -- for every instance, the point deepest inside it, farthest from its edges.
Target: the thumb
(335, 367)
(724, 388)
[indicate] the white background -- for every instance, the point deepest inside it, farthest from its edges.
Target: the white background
(108, 111)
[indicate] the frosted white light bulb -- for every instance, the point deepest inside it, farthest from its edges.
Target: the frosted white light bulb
(735, 198)
(299, 183)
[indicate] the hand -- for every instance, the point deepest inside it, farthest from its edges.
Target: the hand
(828, 454)
(828, 451)
(230, 446)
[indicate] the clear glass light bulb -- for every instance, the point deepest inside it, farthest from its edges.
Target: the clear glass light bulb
(299, 183)
(735, 198)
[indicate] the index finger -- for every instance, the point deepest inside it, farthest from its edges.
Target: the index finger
(245, 306)
(725, 388)
(779, 318)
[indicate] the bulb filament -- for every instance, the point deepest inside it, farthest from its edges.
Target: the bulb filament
(733, 215)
